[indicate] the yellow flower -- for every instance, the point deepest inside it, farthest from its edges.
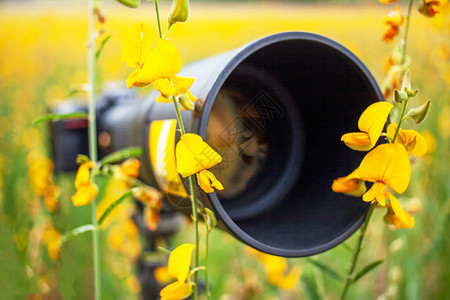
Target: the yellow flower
(178, 267)
(349, 186)
(52, 239)
(194, 156)
(158, 66)
(176, 291)
(388, 1)
(430, 8)
(371, 124)
(413, 141)
(394, 20)
(172, 87)
(123, 237)
(387, 164)
(86, 190)
(397, 216)
(277, 270)
(130, 167)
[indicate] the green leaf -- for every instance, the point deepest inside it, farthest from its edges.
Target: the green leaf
(367, 269)
(311, 287)
(130, 3)
(58, 117)
(102, 45)
(332, 273)
(113, 205)
(121, 155)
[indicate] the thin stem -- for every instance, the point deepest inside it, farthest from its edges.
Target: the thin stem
(75, 232)
(158, 19)
(93, 143)
(405, 37)
(194, 205)
(208, 293)
(400, 120)
(362, 233)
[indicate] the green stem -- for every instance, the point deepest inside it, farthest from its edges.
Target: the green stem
(158, 18)
(400, 120)
(362, 233)
(93, 144)
(113, 205)
(194, 204)
(208, 293)
(405, 37)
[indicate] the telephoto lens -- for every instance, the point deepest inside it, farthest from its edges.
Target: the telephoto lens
(275, 111)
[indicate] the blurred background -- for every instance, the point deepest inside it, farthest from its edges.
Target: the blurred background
(43, 62)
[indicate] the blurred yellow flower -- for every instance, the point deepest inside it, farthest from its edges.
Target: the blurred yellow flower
(52, 239)
(349, 186)
(162, 275)
(130, 167)
(133, 284)
(277, 270)
(86, 190)
(430, 8)
(387, 164)
(178, 267)
(195, 156)
(123, 237)
(413, 141)
(388, 1)
(371, 124)
(394, 20)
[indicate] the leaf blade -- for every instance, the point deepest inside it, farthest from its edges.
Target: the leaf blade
(367, 269)
(57, 117)
(332, 273)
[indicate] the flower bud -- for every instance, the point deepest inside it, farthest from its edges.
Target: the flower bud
(184, 100)
(419, 114)
(406, 83)
(179, 12)
(399, 96)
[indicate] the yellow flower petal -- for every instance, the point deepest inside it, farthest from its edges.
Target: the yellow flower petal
(401, 219)
(176, 291)
(85, 194)
(130, 167)
(131, 80)
(180, 261)
(83, 174)
(413, 141)
(208, 181)
(351, 187)
(165, 87)
(137, 44)
(389, 164)
(376, 193)
(164, 61)
(182, 84)
(194, 155)
(372, 120)
(359, 141)
(290, 280)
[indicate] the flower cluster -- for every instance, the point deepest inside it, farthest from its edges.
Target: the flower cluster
(387, 165)
(157, 66)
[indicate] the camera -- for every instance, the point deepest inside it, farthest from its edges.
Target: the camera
(275, 110)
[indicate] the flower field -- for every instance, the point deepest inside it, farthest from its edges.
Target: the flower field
(43, 63)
